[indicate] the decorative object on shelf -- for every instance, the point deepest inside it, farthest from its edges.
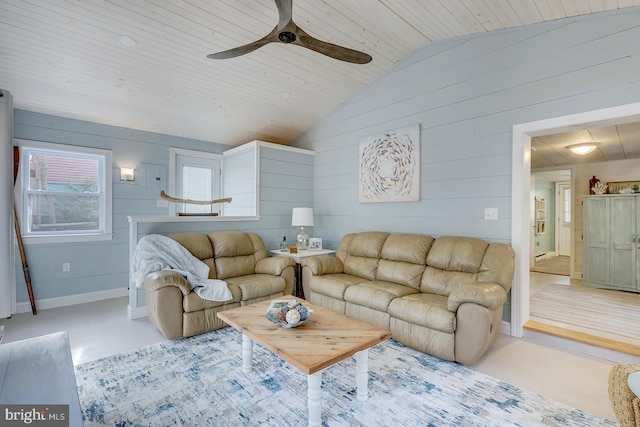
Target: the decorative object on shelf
(288, 314)
(599, 188)
(168, 198)
(284, 246)
(592, 183)
(293, 249)
(315, 244)
(584, 148)
(624, 187)
(302, 217)
(390, 166)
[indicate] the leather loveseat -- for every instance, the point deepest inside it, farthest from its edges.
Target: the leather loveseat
(442, 296)
(238, 258)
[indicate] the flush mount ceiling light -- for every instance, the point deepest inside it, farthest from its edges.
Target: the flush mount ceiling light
(127, 41)
(584, 148)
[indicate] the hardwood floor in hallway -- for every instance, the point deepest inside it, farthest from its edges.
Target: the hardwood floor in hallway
(573, 326)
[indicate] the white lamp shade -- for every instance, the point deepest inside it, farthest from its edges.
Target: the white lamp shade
(302, 217)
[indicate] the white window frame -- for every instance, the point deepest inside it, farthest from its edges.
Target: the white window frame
(174, 173)
(105, 200)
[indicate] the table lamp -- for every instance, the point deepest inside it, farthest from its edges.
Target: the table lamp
(302, 217)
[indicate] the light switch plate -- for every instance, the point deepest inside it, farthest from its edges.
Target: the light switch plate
(491, 213)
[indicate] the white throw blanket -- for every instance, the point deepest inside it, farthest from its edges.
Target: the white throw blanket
(156, 252)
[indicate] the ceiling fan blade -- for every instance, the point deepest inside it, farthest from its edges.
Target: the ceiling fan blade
(285, 12)
(241, 50)
(333, 50)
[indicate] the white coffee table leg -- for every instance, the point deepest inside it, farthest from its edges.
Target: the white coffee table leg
(362, 374)
(314, 402)
(247, 354)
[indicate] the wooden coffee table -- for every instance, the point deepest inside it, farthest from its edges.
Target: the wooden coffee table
(327, 338)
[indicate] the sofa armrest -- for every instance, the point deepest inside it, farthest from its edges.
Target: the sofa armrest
(489, 295)
(323, 264)
(273, 265)
(160, 279)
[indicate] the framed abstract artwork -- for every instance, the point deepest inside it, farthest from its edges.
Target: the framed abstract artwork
(390, 166)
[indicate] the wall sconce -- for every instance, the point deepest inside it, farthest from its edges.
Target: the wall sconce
(301, 217)
(127, 174)
(583, 149)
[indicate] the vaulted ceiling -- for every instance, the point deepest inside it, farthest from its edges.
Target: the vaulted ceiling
(67, 57)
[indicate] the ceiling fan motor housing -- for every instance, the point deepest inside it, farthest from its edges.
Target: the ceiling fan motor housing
(287, 37)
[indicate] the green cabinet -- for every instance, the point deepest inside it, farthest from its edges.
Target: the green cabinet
(610, 242)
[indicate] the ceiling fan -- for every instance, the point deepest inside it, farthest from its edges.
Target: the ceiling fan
(288, 32)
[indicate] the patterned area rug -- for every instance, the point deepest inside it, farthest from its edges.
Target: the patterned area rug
(198, 381)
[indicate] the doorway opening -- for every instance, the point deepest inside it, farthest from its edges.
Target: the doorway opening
(521, 190)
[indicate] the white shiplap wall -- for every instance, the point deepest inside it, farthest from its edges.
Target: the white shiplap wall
(467, 94)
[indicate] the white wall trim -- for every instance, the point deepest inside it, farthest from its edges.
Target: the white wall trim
(505, 328)
(44, 304)
(521, 188)
(137, 312)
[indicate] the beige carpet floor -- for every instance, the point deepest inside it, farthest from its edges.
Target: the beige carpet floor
(553, 265)
(605, 312)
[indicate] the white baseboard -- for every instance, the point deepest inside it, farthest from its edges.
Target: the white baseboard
(505, 328)
(137, 312)
(44, 304)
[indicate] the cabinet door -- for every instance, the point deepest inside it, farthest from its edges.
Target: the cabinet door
(623, 247)
(596, 241)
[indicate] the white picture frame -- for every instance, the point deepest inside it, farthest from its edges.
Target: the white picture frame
(315, 244)
(389, 169)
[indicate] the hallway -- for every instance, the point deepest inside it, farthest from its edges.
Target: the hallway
(600, 331)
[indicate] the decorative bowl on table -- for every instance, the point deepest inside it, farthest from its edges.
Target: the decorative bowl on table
(288, 314)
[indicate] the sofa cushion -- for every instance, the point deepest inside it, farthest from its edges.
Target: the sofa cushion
(457, 254)
(426, 310)
(233, 252)
(200, 247)
(376, 294)
(443, 282)
(403, 259)
(409, 248)
(257, 285)
(363, 254)
(192, 302)
(333, 285)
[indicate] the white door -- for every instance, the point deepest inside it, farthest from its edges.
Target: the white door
(563, 213)
(198, 179)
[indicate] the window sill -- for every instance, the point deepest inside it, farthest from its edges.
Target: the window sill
(70, 238)
(192, 218)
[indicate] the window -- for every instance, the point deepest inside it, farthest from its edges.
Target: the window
(66, 192)
(566, 205)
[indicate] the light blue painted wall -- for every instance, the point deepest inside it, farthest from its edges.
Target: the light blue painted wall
(545, 242)
(467, 94)
(100, 266)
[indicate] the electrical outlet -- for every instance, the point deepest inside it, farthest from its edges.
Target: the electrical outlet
(66, 266)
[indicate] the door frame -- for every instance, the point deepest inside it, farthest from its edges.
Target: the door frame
(558, 217)
(521, 189)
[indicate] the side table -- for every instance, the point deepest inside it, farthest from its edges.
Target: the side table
(297, 257)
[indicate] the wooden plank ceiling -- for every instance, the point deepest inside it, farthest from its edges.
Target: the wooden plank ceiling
(63, 57)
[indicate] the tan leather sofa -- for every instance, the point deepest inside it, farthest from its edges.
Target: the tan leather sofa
(236, 257)
(442, 296)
